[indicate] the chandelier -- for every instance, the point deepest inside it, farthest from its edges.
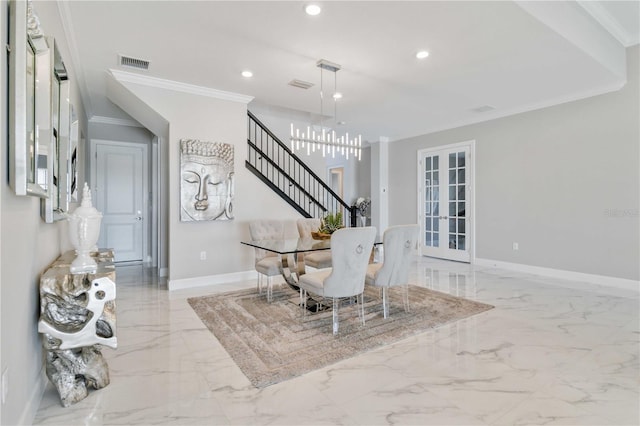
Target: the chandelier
(325, 139)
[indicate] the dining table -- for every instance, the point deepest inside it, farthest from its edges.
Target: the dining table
(292, 251)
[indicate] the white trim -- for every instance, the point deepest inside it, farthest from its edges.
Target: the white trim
(186, 283)
(33, 403)
(604, 18)
(621, 283)
(160, 83)
(100, 119)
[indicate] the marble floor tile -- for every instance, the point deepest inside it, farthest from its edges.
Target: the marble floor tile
(550, 352)
(540, 409)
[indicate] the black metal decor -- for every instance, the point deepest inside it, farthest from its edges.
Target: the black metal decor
(289, 177)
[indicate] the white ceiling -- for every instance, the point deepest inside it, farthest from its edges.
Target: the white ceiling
(513, 56)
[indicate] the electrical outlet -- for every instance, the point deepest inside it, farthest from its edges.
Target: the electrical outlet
(203, 255)
(515, 246)
(5, 384)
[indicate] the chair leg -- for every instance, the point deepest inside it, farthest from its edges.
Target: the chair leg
(269, 289)
(385, 302)
(405, 297)
(361, 307)
(303, 302)
(259, 283)
(336, 303)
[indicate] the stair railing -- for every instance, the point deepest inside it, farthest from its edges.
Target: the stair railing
(285, 173)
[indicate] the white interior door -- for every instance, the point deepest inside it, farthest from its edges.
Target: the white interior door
(120, 189)
(446, 195)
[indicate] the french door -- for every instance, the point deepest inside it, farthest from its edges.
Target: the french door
(446, 201)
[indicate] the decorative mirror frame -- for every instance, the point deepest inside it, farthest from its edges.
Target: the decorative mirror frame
(56, 205)
(28, 102)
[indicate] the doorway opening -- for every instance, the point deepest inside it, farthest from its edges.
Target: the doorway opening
(121, 185)
(336, 180)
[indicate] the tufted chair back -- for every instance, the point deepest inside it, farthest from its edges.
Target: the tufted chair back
(398, 242)
(350, 252)
(306, 226)
(265, 230)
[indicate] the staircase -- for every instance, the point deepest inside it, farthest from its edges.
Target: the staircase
(289, 177)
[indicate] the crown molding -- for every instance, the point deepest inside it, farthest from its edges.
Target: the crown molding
(381, 139)
(99, 119)
(67, 27)
(160, 83)
(604, 18)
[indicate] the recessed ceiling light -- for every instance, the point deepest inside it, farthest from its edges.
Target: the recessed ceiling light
(337, 95)
(422, 54)
(247, 74)
(312, 9)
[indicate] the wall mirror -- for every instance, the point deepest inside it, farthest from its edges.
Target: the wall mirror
(74, 137)
(57, 204)
(29, 102)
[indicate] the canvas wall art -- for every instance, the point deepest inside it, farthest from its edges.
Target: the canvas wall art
(206, 180)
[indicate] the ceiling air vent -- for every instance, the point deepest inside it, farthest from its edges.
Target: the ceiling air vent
(128, 61)
(300, 84)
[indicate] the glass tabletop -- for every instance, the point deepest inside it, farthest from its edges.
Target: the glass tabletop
(293, 245)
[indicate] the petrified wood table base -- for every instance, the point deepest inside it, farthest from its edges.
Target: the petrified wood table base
(77, 317)
(74, 371)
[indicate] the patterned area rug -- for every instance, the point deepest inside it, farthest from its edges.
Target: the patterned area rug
(272, 342)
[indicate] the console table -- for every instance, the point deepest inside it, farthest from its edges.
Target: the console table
(77, 317)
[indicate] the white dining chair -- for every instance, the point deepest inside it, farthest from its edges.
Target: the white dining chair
(350, 251)
(267, 264)
(398, 242)
(316, 259)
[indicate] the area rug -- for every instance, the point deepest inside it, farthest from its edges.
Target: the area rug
(272, 342)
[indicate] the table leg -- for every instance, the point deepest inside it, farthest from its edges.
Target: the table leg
(292, 268)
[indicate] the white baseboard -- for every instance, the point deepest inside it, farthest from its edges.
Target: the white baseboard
(31, 407)
(211, 280)
(621, 283)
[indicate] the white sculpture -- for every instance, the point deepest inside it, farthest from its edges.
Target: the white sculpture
(102, 290)
(84, 229)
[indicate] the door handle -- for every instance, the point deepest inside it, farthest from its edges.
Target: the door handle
(139, 218)
(443, 217)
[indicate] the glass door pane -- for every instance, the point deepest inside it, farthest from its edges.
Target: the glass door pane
(431, 200)
(457, 201)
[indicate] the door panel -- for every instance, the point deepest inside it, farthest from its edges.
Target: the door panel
(445, 202)
(120, 198)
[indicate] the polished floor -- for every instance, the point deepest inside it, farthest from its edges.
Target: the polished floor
(551, 352)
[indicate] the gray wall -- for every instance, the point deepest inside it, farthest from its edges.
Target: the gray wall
(27, 247)
(563, 182)
(112, 132)
(363, 175)
(202, 117)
